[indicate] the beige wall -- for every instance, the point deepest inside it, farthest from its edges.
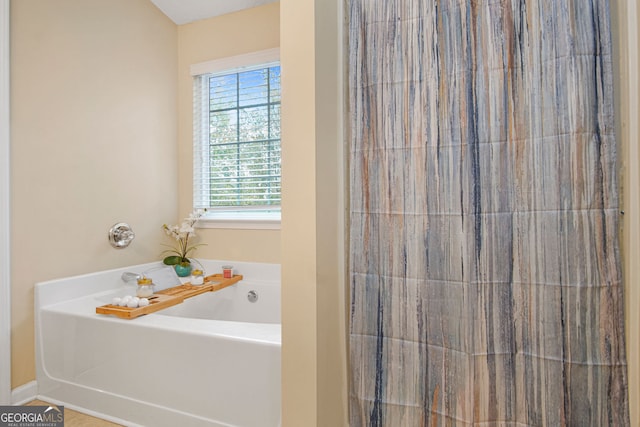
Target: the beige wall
(625, 18)
(314, 386)
(93, 142)
(220, 37)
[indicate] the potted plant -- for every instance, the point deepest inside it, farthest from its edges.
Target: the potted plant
(179, 257)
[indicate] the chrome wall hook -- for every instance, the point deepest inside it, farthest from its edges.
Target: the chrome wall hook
(121, 235)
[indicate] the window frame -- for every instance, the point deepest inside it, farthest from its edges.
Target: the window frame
(241, 218)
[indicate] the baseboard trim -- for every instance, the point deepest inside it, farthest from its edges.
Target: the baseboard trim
(25, 393)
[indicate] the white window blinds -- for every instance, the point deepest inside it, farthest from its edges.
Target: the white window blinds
(237, 139)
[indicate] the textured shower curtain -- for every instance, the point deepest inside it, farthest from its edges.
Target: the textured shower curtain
(486, 286)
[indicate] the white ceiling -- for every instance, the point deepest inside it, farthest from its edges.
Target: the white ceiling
(185, 11)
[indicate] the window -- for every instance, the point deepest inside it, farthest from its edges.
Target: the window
(237, 140)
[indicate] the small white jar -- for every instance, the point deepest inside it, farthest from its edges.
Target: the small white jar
(145, 287)
(197, 277)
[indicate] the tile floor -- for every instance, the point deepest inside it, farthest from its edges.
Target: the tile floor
(77, 419)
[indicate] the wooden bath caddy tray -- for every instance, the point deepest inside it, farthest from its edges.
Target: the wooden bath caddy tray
(171, 296)
(156, 302)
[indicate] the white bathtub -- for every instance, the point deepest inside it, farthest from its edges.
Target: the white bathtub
(213, 360)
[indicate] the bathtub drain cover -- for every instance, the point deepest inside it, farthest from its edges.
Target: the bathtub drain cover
(252, 296)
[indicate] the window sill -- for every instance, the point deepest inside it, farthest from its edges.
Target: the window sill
(257, 222)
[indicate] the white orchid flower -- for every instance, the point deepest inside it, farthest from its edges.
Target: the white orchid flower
(182, 233)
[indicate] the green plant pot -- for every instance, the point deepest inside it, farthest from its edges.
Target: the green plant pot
(183, 270)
